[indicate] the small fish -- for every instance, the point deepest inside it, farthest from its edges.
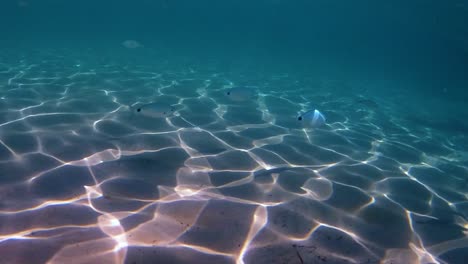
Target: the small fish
(240, 94)
(131, 44)
(155, 110)
(312, 118)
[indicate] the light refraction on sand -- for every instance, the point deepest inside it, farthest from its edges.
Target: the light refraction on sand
(85, 179)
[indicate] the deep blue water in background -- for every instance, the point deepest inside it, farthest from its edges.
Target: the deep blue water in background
(419, 43)
(419, 38)
(390, 76)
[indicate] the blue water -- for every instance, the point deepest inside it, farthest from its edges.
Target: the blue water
(207, 177)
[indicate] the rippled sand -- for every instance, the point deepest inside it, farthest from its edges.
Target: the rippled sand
(83, 180)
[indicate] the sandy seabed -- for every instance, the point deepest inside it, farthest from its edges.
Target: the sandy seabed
(83, 179)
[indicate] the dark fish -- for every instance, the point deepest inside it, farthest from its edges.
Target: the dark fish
(240, 94)
(156, 110)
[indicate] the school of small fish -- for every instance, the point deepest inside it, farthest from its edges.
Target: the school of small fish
(309, 119)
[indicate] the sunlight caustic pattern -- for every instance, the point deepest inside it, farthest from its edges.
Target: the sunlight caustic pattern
(84, 179)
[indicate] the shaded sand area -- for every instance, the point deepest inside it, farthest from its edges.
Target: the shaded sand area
(84, 179)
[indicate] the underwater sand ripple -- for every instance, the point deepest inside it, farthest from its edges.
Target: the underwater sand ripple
(84, 179)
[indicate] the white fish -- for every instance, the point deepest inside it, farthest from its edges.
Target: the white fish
(240, 94)
(312, 118)
(131, 44)
(156, 110)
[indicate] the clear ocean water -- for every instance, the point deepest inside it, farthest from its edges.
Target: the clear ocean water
(168, 131)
